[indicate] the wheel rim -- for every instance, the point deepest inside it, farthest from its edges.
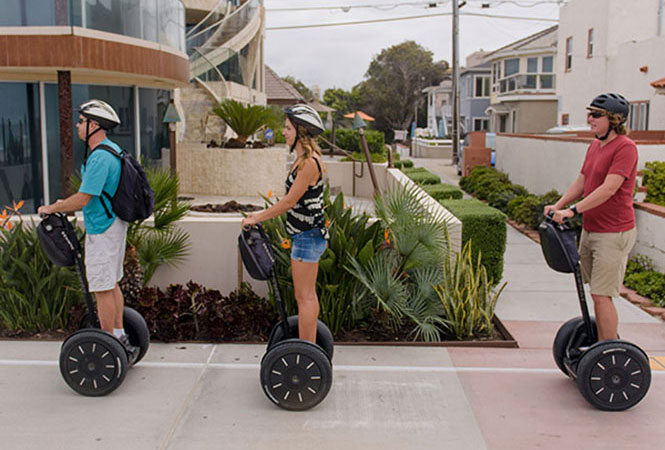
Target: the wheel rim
(617, 379)
(295, 380)
(91, 366)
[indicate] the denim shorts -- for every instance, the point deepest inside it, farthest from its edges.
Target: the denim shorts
(308, 246)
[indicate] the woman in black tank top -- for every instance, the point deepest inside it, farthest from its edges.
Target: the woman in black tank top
(303, 204)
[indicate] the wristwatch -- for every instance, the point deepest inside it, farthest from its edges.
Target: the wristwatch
(573, 208)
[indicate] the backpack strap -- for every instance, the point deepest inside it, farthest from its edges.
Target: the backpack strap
(104, 193)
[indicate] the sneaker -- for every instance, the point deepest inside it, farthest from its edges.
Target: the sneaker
(132, 350)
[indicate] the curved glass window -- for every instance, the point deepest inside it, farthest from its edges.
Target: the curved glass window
(161, 21)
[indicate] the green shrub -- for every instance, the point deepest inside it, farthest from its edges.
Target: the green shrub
(442, 191)
(484, 175)
(35, 295)
(638, 264)
(485, 228)
(349, 140)
(525, 209)
(654, 180)
(650, 284)
(501, 198)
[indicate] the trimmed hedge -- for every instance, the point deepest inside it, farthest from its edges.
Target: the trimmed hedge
(349, 140)
(442, 191)
(486, 228)
(420, 175)
(406, 163)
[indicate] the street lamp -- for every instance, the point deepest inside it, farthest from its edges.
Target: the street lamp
(172, 117)
(359, 124)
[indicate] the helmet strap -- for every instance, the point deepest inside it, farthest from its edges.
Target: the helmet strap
(602, 138)
(295, 141)
(88, 135)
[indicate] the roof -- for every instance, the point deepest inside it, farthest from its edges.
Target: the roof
(320, 107)
(542, 40)
(362, 115)
(659, 83)
(278, 91)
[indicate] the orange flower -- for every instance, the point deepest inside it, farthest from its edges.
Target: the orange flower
(286, 243)
(17, 207)
(9, 225)
(327, 223)
(3, 216)
(270, 193)
(386, 235)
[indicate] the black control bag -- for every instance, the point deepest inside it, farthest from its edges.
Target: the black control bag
(256, 252)
(58, 240)
(559, 245)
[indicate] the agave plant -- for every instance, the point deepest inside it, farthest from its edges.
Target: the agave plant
(244, 120)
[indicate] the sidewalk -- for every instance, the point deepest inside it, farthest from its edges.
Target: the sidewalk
(204, 396)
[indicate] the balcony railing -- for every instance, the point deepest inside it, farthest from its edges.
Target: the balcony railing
(161, 21)
(526, 82)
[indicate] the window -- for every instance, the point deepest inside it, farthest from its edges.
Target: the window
(481, 124)
(511, 66)
(548, 64)
(565, 119)
(639, 116)
(531, 68)
(569, 53)
(482, 86)
(589, 44)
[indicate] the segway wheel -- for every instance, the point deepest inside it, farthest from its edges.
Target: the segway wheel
(137, 331)
(324, 337)
(614, 375)
(296, 374)
(572, 334)
(92, 362)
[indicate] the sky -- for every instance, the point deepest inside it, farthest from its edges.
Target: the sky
(339, 56)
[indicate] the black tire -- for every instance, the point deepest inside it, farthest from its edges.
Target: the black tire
(93, 363)
(614, 375)
(324, 338)
(571, 334)
(137, 331)
(296, 374)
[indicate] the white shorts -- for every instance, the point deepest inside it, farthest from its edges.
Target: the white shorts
(104, 256)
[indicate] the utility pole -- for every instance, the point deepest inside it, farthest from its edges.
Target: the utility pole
(455, 81)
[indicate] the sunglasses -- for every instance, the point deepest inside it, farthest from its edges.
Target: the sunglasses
(595, 114)
(80, 121)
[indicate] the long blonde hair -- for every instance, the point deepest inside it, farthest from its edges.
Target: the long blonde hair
(308, 144)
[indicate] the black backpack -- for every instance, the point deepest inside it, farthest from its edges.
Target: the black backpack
(134, 199)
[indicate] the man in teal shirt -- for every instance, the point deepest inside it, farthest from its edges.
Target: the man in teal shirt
(106, 233)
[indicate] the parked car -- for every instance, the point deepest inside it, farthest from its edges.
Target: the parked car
(490, 139)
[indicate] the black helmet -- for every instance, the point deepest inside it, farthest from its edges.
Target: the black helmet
(306, 116)
(100, 112)
(612, 103)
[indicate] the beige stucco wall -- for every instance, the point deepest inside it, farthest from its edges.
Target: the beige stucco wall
(231, 171)
(541, 164)
(425, 148)
(650, 237)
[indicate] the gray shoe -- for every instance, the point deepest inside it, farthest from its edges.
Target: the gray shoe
(132, 350)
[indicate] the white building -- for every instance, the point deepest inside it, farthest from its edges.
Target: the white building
(611, 46)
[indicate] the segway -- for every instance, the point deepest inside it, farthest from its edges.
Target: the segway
(295, 374)
(612, 375)
(93, 362)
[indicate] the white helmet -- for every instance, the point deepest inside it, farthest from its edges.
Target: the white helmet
(306, 116)
(100, 112)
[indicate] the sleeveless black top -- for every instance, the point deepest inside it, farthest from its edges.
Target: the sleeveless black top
(307, 213)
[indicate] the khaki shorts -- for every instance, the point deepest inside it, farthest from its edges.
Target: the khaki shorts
(104, 257)
(603, 258)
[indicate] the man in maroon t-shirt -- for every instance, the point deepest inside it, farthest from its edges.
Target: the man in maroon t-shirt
(607, 181)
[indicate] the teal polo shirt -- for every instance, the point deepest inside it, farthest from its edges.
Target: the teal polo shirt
(100, 173)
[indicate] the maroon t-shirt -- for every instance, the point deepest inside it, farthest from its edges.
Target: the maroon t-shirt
(618, 157)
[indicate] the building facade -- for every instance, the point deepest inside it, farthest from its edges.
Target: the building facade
(523, 96)
(57, 54)
(475, 87)
(611, 46)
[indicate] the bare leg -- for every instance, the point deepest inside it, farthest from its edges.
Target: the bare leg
(606, 317)
(304, 285)
(106, 309)
(119, 301)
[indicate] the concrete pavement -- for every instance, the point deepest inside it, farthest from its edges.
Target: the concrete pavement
(204, 396)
